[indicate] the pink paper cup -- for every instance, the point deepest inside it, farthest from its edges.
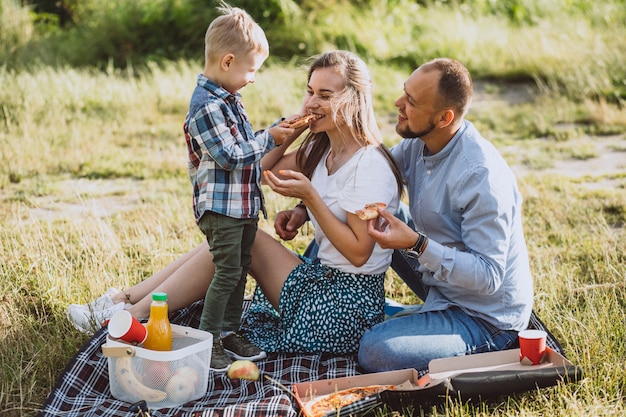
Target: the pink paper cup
(532, 344)
(123, 326)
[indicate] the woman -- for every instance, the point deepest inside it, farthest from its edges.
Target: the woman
(341, 165)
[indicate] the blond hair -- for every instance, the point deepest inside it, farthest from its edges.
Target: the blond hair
(234, 32)
(354, 106)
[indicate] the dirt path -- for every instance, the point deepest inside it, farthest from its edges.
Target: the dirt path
(606, 169)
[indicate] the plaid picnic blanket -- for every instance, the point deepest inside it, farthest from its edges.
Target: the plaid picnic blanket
(83, 390)
(83, 387)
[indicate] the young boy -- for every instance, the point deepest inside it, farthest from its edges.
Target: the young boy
(225, 171)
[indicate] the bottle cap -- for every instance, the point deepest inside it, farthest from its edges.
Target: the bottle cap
(159, 296)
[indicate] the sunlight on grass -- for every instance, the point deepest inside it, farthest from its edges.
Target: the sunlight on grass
(94, 192)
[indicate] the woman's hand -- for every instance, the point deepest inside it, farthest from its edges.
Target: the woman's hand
(391, 232)
(351, 238)
(294, 184)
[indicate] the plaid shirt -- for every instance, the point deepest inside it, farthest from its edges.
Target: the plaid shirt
(224, 153)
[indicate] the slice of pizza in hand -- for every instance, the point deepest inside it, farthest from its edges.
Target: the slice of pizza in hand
(370, 211)
(300, 121)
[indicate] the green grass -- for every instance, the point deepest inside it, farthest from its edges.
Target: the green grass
(94, 194)
(94, 190)
(575, 47)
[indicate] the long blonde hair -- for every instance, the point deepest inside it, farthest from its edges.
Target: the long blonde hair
(353, 106)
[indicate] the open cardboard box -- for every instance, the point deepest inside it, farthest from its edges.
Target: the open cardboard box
(471, 377)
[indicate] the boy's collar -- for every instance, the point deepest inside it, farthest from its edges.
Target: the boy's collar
(214, 88)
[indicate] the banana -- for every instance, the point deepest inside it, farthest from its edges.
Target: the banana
(132, 385)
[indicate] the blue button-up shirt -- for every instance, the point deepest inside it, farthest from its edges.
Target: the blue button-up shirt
(224, 153)
(466, 200)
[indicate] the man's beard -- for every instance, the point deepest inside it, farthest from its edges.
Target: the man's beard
(407, 133)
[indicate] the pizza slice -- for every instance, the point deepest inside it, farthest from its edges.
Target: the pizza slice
(370, 211)
(331, 403)
(301, 121)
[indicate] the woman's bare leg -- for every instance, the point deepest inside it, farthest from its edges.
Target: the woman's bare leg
(271, 265)
(185, 281)
(147, 286)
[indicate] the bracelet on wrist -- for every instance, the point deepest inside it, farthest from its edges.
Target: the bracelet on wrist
(302, 206)
(419, 247)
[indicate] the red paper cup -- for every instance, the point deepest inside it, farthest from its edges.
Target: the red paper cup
(124, 326)
(532, 344)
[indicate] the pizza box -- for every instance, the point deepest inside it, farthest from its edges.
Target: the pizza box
(309, 394)
(468, 378)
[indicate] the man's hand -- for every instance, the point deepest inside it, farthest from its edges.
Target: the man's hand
(288, 222)
(390, 232)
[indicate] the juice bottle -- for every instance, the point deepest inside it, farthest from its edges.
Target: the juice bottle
(158, 326)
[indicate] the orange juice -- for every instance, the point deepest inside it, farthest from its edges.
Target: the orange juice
(158, 326)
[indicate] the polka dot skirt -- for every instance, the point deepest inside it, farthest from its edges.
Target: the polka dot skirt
(321, 310)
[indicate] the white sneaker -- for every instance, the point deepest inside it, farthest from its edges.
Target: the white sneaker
(103, 302)
(89, 321)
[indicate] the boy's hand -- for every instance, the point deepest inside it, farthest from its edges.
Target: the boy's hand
(281, 133)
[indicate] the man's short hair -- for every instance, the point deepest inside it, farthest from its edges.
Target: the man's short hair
(455, 84)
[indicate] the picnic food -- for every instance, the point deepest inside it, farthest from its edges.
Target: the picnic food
(188, 373)
(243, 369)
(158, 325)
(370, 211)
(132, 385)
(155, 373)
(301, 121)
(330, 403)
(182, 385)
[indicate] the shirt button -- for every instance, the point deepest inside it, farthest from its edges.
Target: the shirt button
(428, 172)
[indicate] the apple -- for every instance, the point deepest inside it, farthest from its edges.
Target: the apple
(180, 389)
(155, 373)
(243, 369)
(189, 374)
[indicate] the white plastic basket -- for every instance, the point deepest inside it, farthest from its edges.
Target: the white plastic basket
(162, 379)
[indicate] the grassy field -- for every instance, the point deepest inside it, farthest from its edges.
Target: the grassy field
(94, 190)
(94, 193)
